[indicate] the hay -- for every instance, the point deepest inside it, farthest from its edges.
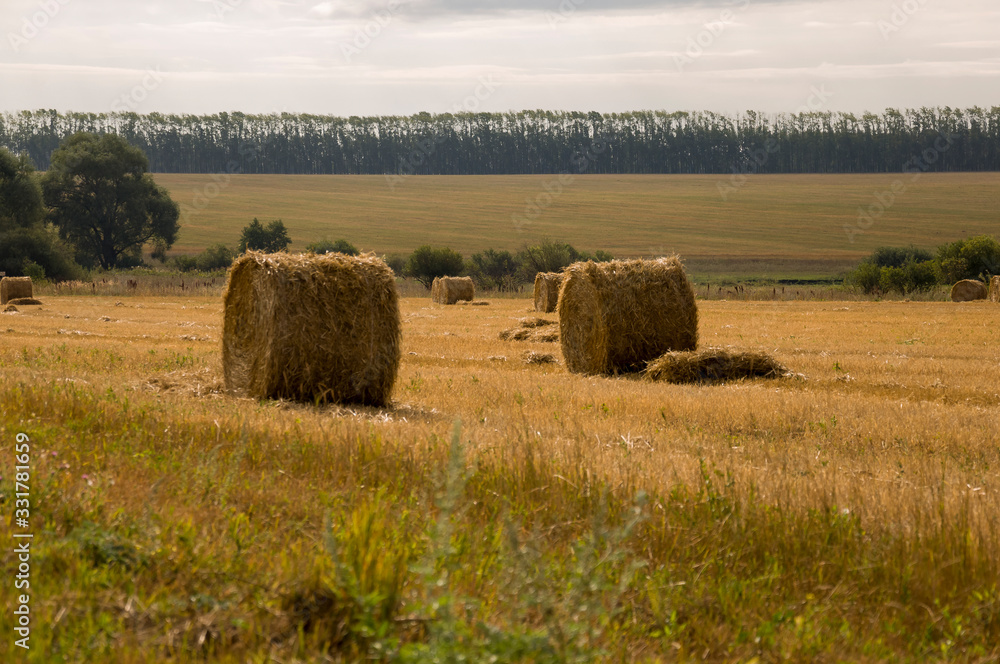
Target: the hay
(26, 301)
(311, 328)
(615, 317)
(713, 365)
(995, 289)
(449, 290)
(529, 329)
(531, 357)
(547, 291)
(12, 288)
(968, 290)
(476, 303)
(10, 309)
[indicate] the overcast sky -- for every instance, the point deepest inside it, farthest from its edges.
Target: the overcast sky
(377, 57)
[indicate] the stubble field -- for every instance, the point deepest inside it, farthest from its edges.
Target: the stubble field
(848, 513)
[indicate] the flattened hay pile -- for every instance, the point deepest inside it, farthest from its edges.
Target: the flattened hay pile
(713, 365)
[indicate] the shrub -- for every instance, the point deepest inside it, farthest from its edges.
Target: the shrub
(337, 246)
(269, 239)
(216, 257)
(41, 246)
(973, 258)
(495, 270)
(427, 264)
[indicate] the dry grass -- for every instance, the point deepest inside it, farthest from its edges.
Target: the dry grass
(848, 517)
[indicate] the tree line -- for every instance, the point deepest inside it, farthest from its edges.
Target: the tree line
(909, 269)
(532, 142)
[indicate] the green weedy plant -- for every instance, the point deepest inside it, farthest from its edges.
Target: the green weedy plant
(559, 608)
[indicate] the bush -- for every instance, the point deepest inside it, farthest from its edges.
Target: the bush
(397, 264)
(337, 246)
(270, 239)
(40, 246)
(898, 256)
(216, 257)
(186, 263)
(495, 270)
(973, 258)
(427, 264)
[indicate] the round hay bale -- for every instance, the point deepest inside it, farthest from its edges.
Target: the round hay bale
(615, 317)
(547, 291)
(449, 290)
(968, 290)
(313, 328)
(12, 288)
(994, 289)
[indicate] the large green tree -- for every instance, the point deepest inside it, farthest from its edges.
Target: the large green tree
(27, 245)
(102, 198)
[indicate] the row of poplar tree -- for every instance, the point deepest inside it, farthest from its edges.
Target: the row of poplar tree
(526, 142)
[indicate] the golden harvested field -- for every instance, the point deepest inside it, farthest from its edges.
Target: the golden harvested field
(777, 226)
(849, 514)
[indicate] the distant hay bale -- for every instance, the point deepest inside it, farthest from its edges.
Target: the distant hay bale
(995, 289)
(12, 288)
(968, 290)
(449, 290)
(615, 317)
(547, 291)
(28, 301)
(713, 365)
(311, 328)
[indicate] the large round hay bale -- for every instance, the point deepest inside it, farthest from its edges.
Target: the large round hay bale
(547, 291)
(994, 289)
(449, 290)
(311, 328)
(968, 290)
(12, 288)
(615, 317)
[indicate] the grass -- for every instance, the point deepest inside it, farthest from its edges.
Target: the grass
(846, 516)
(778, 227)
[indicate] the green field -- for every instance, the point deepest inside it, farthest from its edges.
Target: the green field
(781, 226)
